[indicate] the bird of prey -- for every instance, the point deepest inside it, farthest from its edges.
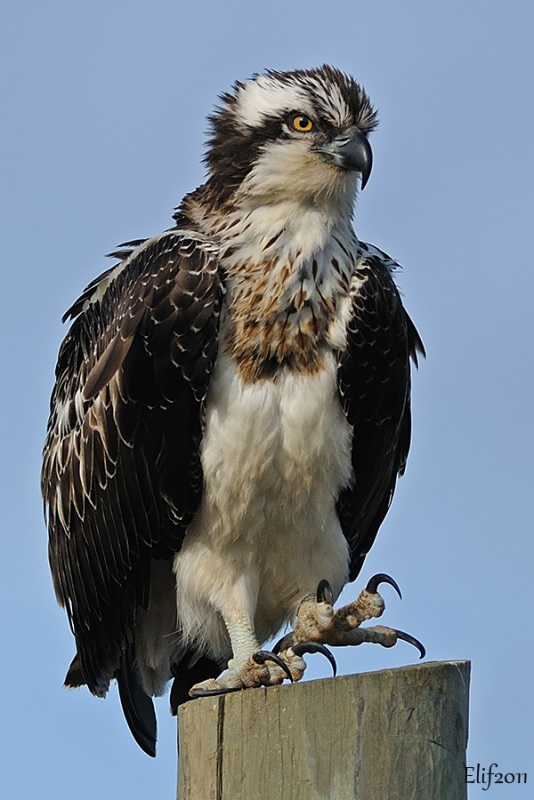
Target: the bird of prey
(231, 413)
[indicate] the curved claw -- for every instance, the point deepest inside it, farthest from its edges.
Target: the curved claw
(262, 656)
(315, 647)
(208, 692)
(374, 582)
(325, 593)
(407, 637)
(279, 646)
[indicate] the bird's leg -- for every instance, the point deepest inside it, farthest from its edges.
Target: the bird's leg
(250, 666)
(318, 623)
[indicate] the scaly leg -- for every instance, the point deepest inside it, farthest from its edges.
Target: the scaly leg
(250, 666)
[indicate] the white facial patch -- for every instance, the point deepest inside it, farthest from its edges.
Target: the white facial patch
(288, 170)
(268, 97)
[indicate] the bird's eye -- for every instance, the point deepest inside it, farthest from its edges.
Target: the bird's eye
(302, 123)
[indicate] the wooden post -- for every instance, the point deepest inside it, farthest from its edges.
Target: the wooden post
(397, 734)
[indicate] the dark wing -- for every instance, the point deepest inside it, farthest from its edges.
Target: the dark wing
(121, 475)
(374, 386)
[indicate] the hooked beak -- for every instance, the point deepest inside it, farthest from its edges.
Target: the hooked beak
(350, 150)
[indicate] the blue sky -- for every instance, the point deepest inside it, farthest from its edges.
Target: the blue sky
(104, 108)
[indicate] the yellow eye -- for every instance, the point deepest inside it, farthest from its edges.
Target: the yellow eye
(302, 123)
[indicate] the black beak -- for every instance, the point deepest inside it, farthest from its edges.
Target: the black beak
(350, 150)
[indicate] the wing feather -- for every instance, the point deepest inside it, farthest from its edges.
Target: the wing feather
(374, 387)
(121, 474)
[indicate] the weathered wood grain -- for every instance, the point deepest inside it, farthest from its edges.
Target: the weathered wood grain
(398, 734)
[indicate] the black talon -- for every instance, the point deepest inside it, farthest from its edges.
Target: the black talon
(407, 637)
(264, 655)
(325, 593)
(209, 692)
(315, 647)
(283, 643)
(376, 580)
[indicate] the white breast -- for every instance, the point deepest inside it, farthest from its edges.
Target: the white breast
(275, 455)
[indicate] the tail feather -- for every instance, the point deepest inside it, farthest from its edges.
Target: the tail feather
(137, 706)
(185, 676)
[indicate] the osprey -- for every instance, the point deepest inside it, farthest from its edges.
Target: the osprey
(231, 413)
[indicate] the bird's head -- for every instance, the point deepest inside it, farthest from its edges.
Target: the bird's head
(298, 136)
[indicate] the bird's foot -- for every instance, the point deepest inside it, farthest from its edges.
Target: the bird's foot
(318, 622)
(259, 669)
